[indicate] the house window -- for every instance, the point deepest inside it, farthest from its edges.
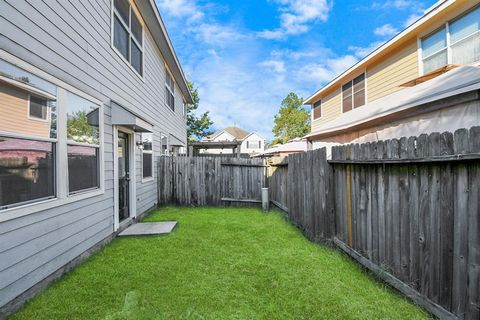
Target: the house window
(27, 147)
(147, 155)
(254, 144)
(128, 34)
(38, 108)
(164, 147)
(83, 147)
(170, 91)
(353, 93)
(317, 109)
(458, 42)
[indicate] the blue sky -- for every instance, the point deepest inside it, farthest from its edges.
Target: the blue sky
(246, 56)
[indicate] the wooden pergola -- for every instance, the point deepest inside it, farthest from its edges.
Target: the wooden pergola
(194, 147)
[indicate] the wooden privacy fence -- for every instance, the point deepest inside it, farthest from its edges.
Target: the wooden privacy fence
(212, 181)
(407, 209)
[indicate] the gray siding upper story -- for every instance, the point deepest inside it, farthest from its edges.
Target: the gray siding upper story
(70, 40)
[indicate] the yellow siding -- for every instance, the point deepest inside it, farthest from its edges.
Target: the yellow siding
(14, 110)
(386, 77)
(330, 109)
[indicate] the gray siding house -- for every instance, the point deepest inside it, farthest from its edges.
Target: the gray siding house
(91, 95)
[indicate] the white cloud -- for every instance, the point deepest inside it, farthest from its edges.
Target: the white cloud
(412, 18)
(216, 34)
(276, 65)
(362, 52)
(297, 17)
(387, 30)
(321, 73)
(181, 9)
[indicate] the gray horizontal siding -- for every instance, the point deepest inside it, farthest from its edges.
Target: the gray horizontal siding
(70, 40)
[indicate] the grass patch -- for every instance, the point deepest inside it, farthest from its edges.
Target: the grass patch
(220, 263)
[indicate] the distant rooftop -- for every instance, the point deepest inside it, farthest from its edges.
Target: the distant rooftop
(236, 132)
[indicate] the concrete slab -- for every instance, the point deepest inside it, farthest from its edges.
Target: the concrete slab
(149, 229)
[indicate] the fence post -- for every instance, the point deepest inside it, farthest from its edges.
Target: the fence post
(265, 200)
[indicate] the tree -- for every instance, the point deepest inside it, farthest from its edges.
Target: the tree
(197, 126)
(292, 120)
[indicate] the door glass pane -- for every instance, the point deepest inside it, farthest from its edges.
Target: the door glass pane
(20, 109)
(82, 120)
(120, 37)
(83, 168)
(26, 171)
(465, 26)
(136, 58)
(434, 43)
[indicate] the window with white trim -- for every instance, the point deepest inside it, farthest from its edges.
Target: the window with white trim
(353, 93)
(254, 144)
(83, 146)
(127, 35)
(170, 91)
(35, 155)
(27, 146)
(147, 155)
(458, 42)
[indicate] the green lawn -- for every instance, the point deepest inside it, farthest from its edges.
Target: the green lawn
(219, 264)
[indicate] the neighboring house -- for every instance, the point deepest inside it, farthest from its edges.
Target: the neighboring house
(423, 80)
(298, 145)
(250, 143)
(91, 95)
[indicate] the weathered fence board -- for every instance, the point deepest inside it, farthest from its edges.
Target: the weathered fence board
(425, 213)
(213, 181)
(406, 206)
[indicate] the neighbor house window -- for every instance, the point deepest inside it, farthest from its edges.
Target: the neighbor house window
(164, 147)
(147, 155)
(38, 108)
(27, 146)
(254, 144)
(317, 109)
(83, 136)
(170, 91)
(353, 93)
(458, 42)
(128, 34)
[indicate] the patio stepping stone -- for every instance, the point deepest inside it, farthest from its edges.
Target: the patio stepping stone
(149, 229)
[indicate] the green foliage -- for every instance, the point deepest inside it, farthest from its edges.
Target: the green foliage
(219, 263)
(78, 128)
(292, 120)
(197, 126)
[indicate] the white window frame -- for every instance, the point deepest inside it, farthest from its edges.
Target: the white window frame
(81, 144)
(171, 90)
(366, 92)
(61, 184)
(449, 44)
(47, 119)
(114, 13)
(152, 178)
(167, 152)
